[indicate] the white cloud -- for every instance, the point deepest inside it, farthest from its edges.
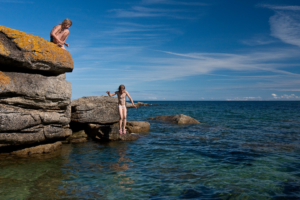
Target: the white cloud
(173, 2)
(245, 99)
(141, 11)
(276, 7)
(286, 97)
(258, 40)
(286, 27)
(285, 24)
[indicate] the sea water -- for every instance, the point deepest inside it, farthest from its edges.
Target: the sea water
(240, 150)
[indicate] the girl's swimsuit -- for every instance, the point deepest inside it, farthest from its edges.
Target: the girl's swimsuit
(122, 106)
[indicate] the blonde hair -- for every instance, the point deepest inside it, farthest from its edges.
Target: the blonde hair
(66, 22)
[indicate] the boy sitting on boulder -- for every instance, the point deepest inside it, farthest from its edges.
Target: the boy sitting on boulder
(60, 33)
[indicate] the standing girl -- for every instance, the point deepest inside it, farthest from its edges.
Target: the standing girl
(60, 33)
(122, 93)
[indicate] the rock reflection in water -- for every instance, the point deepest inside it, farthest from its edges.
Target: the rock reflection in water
(32, 178)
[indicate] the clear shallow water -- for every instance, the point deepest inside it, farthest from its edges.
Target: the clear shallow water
(241, 150)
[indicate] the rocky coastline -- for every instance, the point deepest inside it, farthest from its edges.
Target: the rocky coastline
(37, 115)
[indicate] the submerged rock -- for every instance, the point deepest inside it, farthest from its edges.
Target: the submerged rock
(77, 137)
(137, 126)
(177, 119)
(20, 51)
(41, 149)
(109, 133)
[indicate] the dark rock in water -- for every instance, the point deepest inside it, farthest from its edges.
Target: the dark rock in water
(109, 133)
(177, 119)
(77, 137)
(101, 114)
(78, 140)
(137, 126)
(95, 109)
(41, 149)
(20, 51)
(35, 97)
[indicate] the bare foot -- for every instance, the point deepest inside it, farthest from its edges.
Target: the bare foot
(124, 132)
(120, 131)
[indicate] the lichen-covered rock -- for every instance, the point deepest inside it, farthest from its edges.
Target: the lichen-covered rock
(109, 133)
(22, 51)
(95, 109)
(177, 119)
(137, 126)
(35, 96)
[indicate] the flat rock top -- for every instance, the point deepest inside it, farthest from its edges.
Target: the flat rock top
(32, 52)
(177, 119)
(93, 100)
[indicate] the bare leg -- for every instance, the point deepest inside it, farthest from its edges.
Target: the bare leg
(63, 37)
(121, 119)
(124, 119)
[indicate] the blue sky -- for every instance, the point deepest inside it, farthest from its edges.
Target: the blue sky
(172, 49)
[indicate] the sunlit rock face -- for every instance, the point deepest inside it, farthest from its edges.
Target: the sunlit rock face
(20, 51)
(35, 97)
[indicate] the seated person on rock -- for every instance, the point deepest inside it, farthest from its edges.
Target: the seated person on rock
(60, 33)
(122, 93)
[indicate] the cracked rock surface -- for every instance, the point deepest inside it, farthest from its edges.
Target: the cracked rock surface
(35, 98)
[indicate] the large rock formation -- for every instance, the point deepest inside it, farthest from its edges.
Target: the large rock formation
(99, 115)
(34, 94)
(20, 51)
(95, 109)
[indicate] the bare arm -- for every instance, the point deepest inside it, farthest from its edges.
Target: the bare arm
(130, 99)
(52, 33)
(109, 94)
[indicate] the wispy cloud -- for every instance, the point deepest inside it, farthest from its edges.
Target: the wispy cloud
(245, 99)
(258, 40)
(170, 2)
(285, 24)
(141, 11)
(286, 97)
(276, 7)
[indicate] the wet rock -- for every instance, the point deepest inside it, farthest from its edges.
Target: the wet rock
(20, 51)
(137, 126)
(109, 133)
(41, 149)
(77, 137)
(177, 119)
(78, 140)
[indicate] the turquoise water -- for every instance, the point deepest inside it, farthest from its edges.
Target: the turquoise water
(241, 150)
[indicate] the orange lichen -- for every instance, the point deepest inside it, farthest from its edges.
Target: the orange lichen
(38, 49)
(3, 50)
(4, 80)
